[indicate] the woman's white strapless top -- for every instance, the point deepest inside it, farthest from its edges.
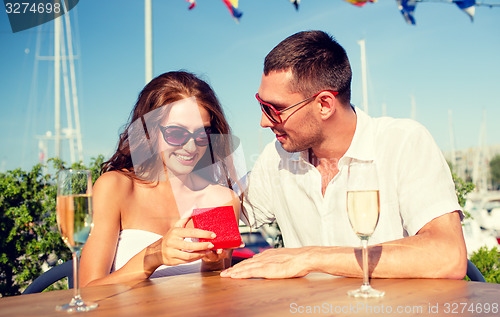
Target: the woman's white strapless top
(133, 241)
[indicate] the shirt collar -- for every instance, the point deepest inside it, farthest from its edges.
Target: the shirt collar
(361, 147)
(299, 156)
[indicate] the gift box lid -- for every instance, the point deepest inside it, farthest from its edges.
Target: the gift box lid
(220, 220)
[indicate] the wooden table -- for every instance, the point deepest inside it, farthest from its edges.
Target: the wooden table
(207, 294)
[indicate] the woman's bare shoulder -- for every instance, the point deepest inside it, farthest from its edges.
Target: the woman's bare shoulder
(114, 181)
(221, 195)
(220, 189)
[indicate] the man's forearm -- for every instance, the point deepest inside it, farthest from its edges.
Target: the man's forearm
(436, 251)
(411, 257)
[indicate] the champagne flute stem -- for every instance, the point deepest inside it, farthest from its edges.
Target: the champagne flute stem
(366, 280)
(76, 282)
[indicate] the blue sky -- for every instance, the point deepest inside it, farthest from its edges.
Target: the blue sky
(445, 61)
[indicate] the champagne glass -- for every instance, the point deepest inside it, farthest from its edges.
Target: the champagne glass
(363, 208)
(74, 220)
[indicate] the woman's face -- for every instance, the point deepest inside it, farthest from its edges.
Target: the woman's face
(182, 138)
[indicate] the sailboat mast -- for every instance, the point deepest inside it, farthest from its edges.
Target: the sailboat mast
(452, 141)
(148, 35)
(57, 86)
(64, 73)
(480, 171)
(413, 107)
(363, 74)
(485, 155)
(71, 59)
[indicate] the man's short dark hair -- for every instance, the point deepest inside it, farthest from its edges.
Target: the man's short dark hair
(317, 62)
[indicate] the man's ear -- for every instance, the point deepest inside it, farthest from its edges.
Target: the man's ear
(327, 104)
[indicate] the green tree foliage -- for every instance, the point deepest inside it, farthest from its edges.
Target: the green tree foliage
(488, 263)
(28, 227)
(495, 171)
(486, 260)
(462, 188)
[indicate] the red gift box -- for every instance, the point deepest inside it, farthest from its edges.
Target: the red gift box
(221, 221)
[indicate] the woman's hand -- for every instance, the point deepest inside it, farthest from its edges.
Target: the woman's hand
(216, 255)
(174, 249)
(218, 259)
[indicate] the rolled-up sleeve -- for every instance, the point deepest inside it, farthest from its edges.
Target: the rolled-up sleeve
(426, 189)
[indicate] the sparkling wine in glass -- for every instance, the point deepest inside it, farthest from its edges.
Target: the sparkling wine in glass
(74, 220)
(363, 209)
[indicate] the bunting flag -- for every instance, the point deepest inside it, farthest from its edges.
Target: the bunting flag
(468, 7)
(359, 3)
(192, 5)
(232, 5)
(295, 4)
(407, 7)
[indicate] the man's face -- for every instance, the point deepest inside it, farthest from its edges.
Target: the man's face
(299, 130)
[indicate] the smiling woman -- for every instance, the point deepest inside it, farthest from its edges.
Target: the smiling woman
(181, 150)
(172, 158)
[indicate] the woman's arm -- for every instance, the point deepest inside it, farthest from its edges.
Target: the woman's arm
(111, 192)
(99, 251)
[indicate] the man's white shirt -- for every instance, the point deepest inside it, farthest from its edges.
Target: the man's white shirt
(414, 179)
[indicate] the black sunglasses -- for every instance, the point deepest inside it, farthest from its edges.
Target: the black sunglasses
(275, 115)
(178, 136)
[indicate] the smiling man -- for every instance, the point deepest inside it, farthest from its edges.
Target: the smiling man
(300, 179)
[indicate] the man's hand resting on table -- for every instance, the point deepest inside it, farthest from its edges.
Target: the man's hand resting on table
(272, 263)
